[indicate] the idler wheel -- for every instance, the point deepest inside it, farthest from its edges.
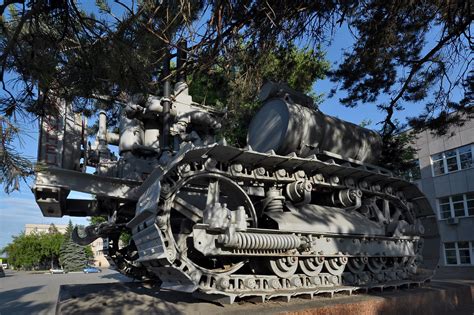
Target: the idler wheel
(335, 265)
(284, 267)
(311, 266)
(190, 202)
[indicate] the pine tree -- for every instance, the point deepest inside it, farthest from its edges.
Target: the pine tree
(72, 256)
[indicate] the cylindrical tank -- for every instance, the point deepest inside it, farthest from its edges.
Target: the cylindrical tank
(286, 127)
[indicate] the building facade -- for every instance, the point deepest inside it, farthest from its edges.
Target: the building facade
(96, 246)
(44, 228)
(98, 249)
(446, 175)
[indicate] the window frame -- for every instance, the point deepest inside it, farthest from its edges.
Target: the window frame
(451, 206)
(444, 160)
(458, 256)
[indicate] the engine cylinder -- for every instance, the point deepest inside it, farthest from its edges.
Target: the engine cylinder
(286, 127)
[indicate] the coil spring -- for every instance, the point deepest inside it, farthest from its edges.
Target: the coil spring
(276, 204)
(264, 241)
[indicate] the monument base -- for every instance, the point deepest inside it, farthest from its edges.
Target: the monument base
(437, 297)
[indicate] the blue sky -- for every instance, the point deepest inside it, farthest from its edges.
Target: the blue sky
(19, 208)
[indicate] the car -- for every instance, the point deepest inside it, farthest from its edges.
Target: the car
(91, 269)
(56, 271)
(2, 273)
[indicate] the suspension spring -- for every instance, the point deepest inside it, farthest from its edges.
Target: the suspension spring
(260, 241)
(274, 200)
(276, 204)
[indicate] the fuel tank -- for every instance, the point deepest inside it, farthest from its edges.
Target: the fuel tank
(286, 127)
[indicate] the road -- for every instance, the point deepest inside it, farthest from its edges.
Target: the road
(26, 293)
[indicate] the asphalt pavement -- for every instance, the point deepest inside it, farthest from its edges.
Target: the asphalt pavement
(27, 293)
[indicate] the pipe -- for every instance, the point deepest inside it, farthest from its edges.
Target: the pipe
(102, 134)
(166, 103)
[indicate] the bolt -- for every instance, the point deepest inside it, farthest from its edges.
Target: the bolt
(171, 254)
(237, 168)
(275, 284)
(300, 174)
(250, 283)
(335, 180)
(315, 280)
(320, 177)
(260, 171)
(223, 283)
(281, 172)
(296, 282)
(185, 168)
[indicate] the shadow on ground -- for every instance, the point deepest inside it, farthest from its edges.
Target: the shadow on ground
(120, 298)
(10, 304)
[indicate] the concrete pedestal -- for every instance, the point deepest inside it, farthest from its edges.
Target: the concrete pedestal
(437, 297)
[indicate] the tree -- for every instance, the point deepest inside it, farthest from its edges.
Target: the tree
(89, 253)
(24, 252)
(235, 88)
(93, 56)
(51, 245)
(73, 257)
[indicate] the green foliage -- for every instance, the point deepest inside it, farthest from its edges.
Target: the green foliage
(51, 245)
(125, 237)
(73, 257)
(13, 166)
(89, 253)
(97, 219)
(236, 87)
(24, 252)
(398, 152)
(365, 122)
(35, 250)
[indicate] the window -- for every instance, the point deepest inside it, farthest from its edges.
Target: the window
(452, 160)
(459, 253)
(444, 208)
(470, 203)
(450, 253)
(438, 164)
(465, 156)
(456, 206)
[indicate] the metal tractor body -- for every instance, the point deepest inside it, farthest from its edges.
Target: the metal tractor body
(303, 209)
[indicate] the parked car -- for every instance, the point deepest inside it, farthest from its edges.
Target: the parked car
(5, 266)
(91, 269)
(56, 271)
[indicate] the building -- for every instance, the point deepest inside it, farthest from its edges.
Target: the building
(43, 228)
(96, 246)
(98, 249)
(446, 175)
